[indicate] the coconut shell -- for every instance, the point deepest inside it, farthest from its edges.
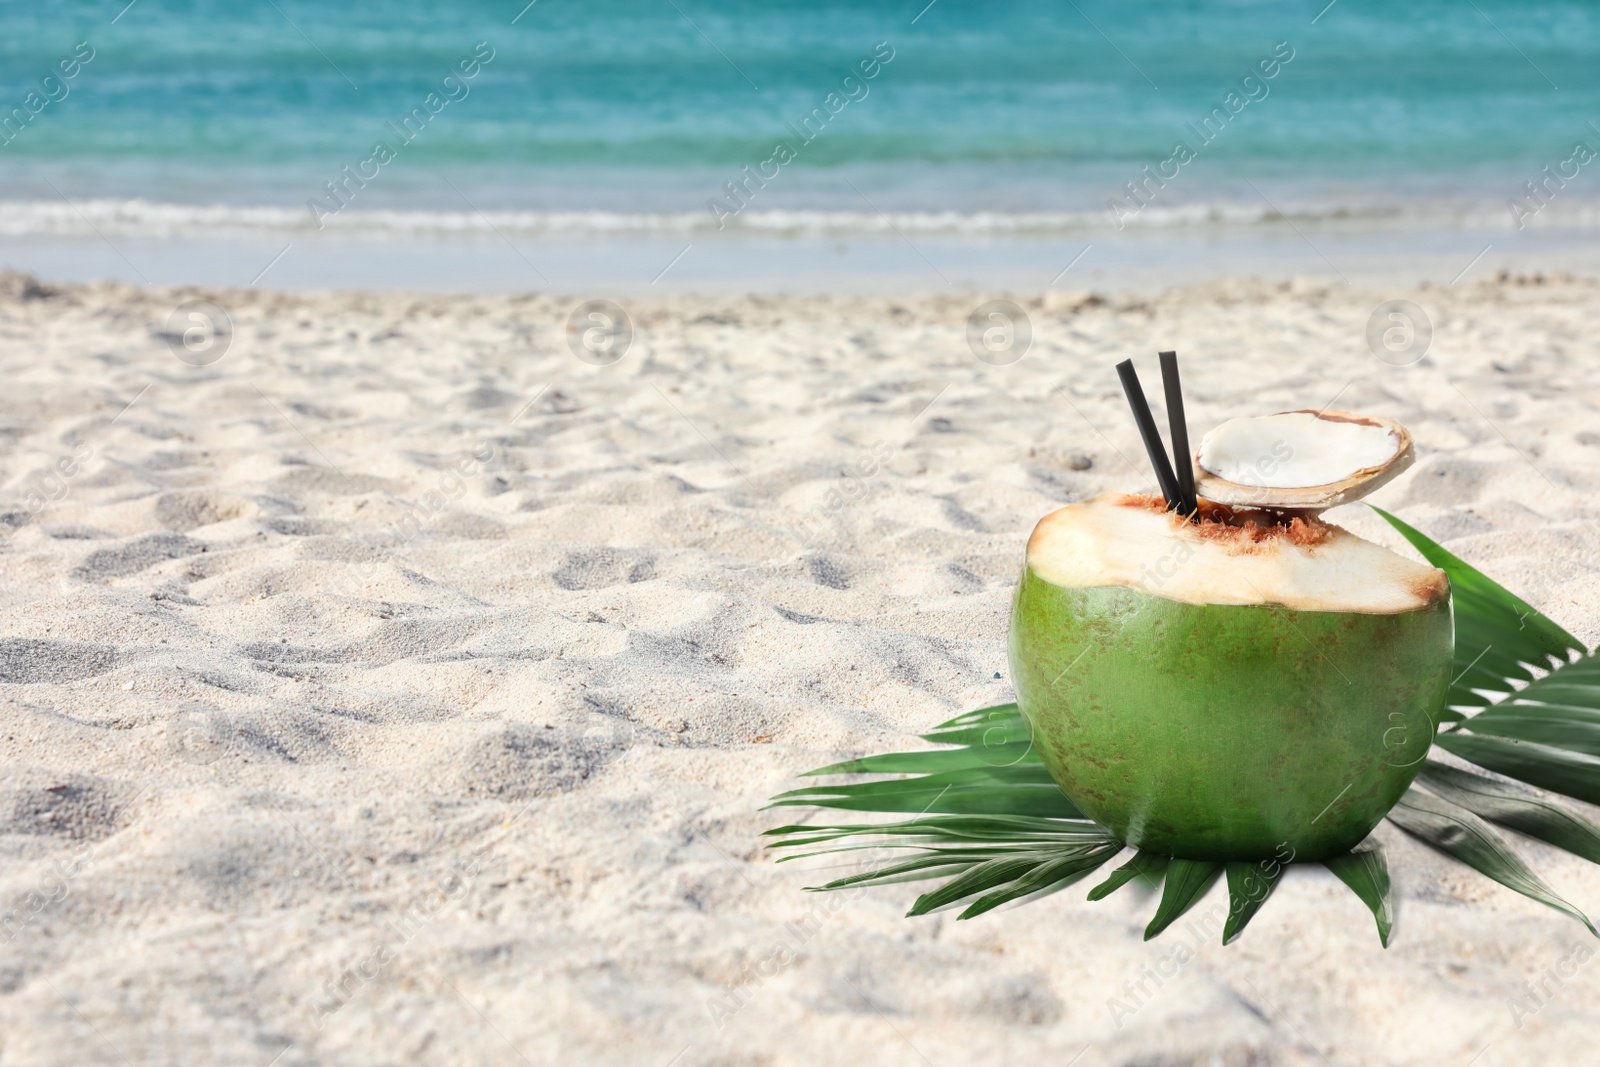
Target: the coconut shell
(1312, 497)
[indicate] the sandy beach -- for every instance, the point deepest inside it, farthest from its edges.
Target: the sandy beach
(400, 688)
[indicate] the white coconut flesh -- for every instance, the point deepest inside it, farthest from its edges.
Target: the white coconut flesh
(1300, 459)
(1132, 541)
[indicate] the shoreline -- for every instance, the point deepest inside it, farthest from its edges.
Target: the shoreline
(728, 265)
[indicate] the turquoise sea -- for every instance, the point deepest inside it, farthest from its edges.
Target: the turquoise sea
(607, 122)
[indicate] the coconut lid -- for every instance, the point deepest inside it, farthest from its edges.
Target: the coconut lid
(1300, 460)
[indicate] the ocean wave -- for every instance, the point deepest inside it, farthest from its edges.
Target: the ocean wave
(145, 218)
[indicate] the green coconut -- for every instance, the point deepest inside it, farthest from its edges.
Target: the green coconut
(1251, 684)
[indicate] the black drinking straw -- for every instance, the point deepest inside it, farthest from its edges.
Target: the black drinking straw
(1182, 462)
(1152, 436)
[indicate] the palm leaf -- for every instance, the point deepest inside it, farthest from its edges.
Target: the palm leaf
(993, 772)
(1367, 874)
(1023, 789)
(1459, 833)
(1569, 773)
(1498, 634)
(1562, 710)
(970, 830)
(1249, 886)
(1011, 869)
(1045, 878)
(1147, 865)
(1187, 881)
(1574, 735)
(1545, 733)
(987, 813)
(930, 761)
(1515, 807)
(935, 865)
(983, 728)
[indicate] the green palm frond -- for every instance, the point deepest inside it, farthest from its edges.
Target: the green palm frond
(1544, 732)
(1025, 788)
(1562, 709)
(1457, 832)
(1499, 636)
(1187, 881)
(1249, 886)
(1366, 872)
(1016, 877)
(996, 830)
(1515, 807)
(1556, 769)
(992, 771)
(987, 812)
(986, 815)
(1146, 865)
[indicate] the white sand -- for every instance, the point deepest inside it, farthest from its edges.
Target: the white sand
(253, 733)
